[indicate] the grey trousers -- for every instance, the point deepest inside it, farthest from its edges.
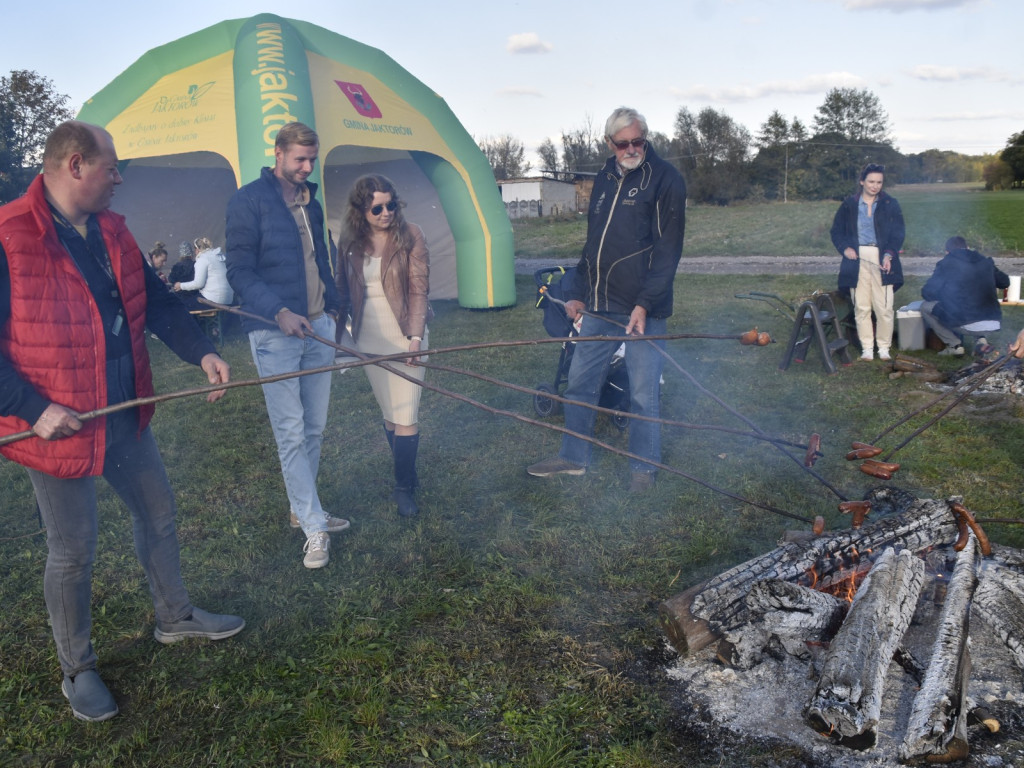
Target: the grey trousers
(134, 469)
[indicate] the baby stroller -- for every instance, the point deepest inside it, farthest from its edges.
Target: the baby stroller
(615, 393)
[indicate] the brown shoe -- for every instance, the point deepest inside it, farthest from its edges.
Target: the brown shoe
(641, 481)
(334, 524)
(555, 466)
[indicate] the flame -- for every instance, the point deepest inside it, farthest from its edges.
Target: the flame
(840, 574)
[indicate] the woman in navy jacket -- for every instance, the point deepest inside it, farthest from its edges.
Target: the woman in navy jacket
(868, 232)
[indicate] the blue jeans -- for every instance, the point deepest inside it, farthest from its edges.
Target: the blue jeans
(587, 374)
(298, 411)
(134, 469)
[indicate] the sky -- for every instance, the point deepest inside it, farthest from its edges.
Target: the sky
(949, 73)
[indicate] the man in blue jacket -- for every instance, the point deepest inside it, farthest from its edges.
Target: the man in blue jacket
(623, 287)
(278, 267)
(960, 296)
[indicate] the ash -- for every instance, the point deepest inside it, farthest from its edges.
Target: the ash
(765, 704)
(1007, 380)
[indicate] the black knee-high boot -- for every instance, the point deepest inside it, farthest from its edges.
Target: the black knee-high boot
(405, 449)
(390, 435)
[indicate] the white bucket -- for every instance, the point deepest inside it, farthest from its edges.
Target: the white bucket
(1013, 292)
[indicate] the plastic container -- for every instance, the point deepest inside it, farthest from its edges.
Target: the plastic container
(910, 328)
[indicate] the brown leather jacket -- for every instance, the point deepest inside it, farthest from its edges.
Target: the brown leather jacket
(406, 279)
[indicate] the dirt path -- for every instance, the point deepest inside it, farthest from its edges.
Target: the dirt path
(919, 266)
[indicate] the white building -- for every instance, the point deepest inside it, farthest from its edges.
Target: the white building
(538, 197)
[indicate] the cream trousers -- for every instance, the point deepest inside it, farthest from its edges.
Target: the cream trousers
(870, 295)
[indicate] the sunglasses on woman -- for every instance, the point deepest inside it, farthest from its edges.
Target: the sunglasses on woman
(379, 208)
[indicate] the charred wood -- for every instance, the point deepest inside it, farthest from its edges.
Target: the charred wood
(937, 730)
(783, 618)
(847, 700)
(1002, 609)
(697, 617)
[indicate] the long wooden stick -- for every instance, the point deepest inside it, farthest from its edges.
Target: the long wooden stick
(714, 397)
(363, 359)
(378, 361)
(995, 366)
(972, 383)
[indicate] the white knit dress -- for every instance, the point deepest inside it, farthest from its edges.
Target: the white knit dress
(380, 334)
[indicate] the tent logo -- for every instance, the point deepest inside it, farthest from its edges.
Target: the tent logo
(187, 101)
(360, 99)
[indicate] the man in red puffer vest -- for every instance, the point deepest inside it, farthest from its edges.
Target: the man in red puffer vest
(75, 300)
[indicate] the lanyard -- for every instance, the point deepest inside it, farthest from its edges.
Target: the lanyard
(67, 230)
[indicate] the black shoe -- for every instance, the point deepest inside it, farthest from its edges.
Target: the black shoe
(406, 503)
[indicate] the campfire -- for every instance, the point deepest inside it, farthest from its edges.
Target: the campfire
(811, 629)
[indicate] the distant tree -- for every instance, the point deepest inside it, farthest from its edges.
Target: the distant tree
(774, 131)
(850, 129)
(714, 152)
(661, 142)
(997, 174)
(30, 109)
(934, 165)
(583, 149)
(506, 155)
(1013, 156)
(769, 170)
(797, 131)
(854, 113)
(548, 153)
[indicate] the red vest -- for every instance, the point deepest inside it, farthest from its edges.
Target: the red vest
(54, 337)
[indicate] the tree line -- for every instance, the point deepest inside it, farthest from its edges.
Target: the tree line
(720, 159)
(785, 160)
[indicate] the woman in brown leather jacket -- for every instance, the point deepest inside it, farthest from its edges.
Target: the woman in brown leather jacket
(383, 278)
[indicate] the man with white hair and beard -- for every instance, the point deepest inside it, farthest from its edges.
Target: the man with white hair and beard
(623, 287)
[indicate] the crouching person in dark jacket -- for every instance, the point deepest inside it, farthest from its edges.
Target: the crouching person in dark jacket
(960, 297)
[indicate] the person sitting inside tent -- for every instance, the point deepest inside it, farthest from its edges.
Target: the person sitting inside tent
(209, 278)
(184, 271)
(960, 297)
(158, 260)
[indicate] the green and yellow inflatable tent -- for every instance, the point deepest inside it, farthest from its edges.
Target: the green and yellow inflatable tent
(194, 119)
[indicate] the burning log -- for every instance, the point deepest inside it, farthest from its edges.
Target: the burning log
(783, 615)
(697, 617)
(937, 730)
(847, 701)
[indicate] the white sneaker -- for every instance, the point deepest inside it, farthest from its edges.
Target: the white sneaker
(883, 354)
(334, 524)
(317, 550)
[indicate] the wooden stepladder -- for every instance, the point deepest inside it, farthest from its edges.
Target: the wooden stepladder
(817, 323)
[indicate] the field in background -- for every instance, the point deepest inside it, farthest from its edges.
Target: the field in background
(992, 222)
(513, 623)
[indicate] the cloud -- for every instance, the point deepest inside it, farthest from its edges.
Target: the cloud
(519, 90)
(949, 117)
(812, 84)
(936, 72)
(903, 6)
(527, 42)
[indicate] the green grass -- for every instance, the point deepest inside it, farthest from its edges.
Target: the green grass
(992, 222)
(514, 623)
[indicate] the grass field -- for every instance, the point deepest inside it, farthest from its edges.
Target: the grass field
(514, 622)
(992, 222)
